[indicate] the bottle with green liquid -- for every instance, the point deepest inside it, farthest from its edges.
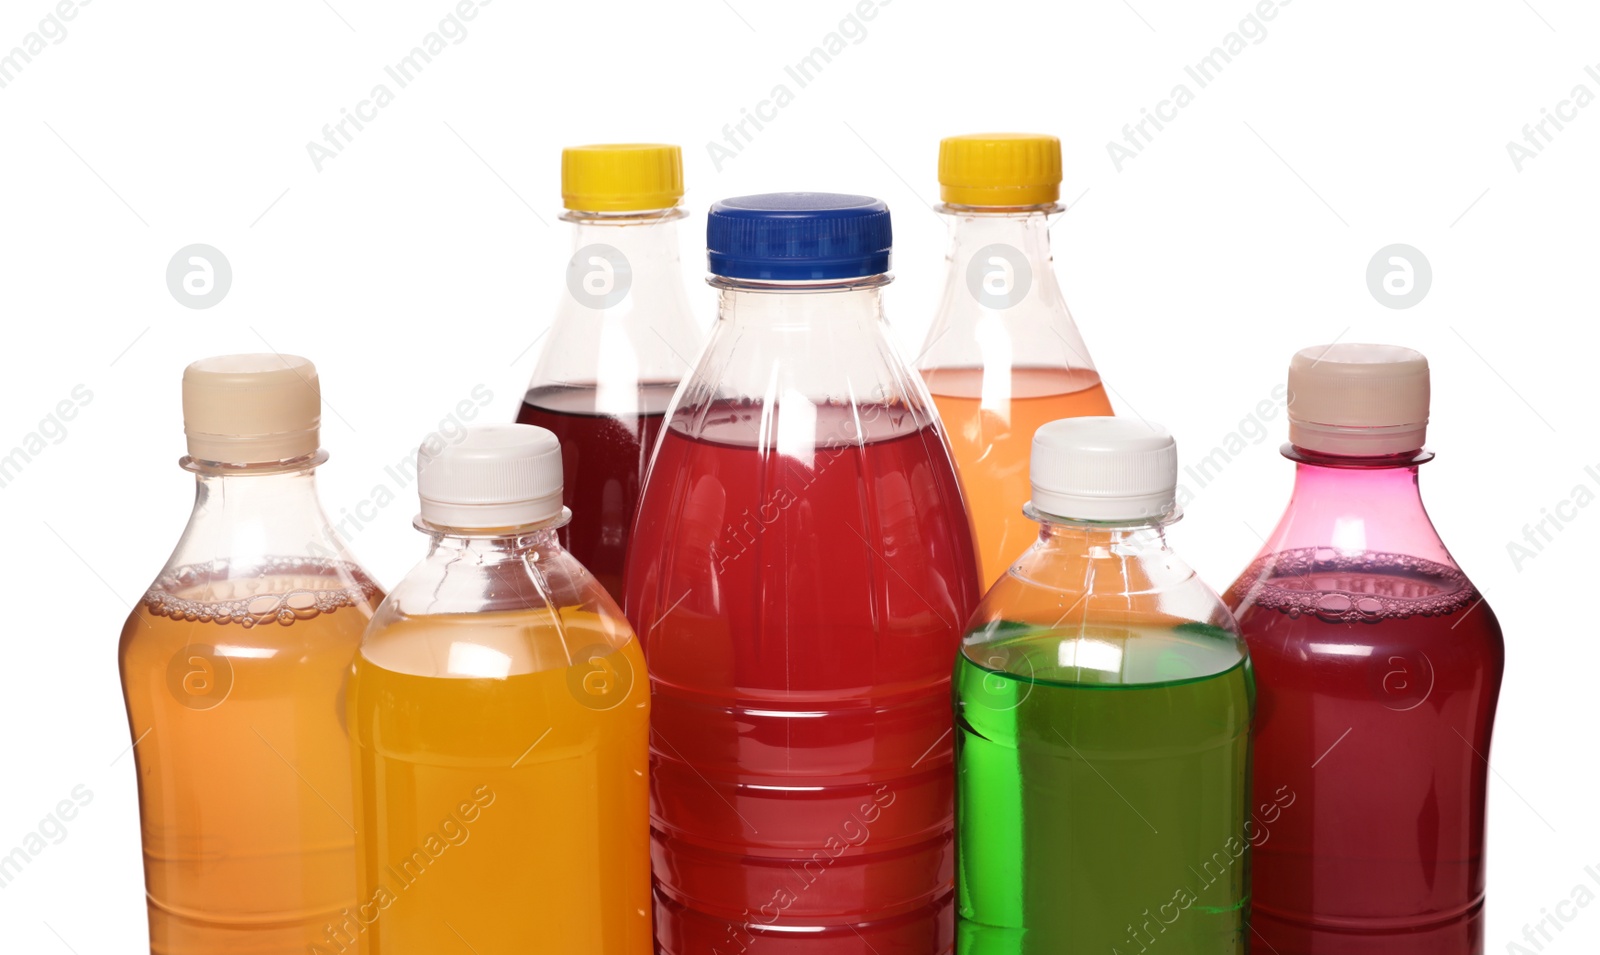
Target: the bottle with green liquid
(1103, 700)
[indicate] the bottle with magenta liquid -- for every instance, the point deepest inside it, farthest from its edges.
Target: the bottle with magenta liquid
(622, 338)
(1003, 355)
(800, 571)
(1103, 699)
(234, 665)
(1378, 665)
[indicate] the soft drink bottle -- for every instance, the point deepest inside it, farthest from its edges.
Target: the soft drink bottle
(622, 337)
(801, 569)
(234, 666)
(1003, 355)
(1103, 699)
(501, 719)
(1379, 667)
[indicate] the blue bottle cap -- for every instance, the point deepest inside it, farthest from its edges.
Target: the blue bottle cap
(798, 237)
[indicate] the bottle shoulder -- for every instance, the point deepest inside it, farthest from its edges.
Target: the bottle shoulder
(463, 616)
(1109, 616)
(638, 342)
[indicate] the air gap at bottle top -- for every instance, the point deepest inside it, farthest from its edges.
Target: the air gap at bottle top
(499, 711)
(1103, 702)
(234, 667)
(1378, 665)
(1003, 356)
(622, 337)
(801, 569)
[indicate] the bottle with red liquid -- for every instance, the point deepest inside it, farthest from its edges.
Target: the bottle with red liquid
(621, 340)
(1378, 667)
(801, 568)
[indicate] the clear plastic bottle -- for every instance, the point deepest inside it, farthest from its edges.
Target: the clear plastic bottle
(621, 339)
(801, 568)
(234, 667)
(500, 717)
(1103, 699)
(1379, 668)
(1003, 355)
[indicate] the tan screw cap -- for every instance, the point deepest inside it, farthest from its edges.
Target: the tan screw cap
(251, 409)
(1358, 399)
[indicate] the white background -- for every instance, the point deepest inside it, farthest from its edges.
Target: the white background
(426, 258)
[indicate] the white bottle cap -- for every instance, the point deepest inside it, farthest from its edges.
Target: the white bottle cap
(500, 475)
(1103, 469)
(1358, 399)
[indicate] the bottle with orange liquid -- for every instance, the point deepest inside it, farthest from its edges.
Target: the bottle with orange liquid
(500, 715)
(234, 667)
(1003, 355)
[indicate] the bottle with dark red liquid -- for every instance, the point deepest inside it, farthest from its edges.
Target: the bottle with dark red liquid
(801, 569)
(1378, 667)
(622, 338)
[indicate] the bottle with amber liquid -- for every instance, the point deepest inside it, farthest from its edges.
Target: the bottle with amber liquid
(234, 666)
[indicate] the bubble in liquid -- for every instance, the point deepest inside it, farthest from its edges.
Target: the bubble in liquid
(296, 603)
(1335, 587)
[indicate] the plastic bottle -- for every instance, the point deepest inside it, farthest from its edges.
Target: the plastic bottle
(801, 569)
(1379, 666)
(500, 716)
(622, 337)
(234, 665)
(1103, 700)
(1003, 356)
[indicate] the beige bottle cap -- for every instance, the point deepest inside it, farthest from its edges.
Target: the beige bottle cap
(1358, 399)
(251, 409)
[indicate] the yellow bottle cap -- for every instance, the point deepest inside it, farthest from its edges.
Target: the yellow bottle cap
(1000, 169)
(621, 177)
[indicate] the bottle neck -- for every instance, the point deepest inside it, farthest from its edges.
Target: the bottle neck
(854, 303)
(488, 550)
(1101, 540)
(1002, 308)
(647, 241)
(250, 515)
(623, 320)
(801, 364)
(1025, 229)
(1357, 505)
